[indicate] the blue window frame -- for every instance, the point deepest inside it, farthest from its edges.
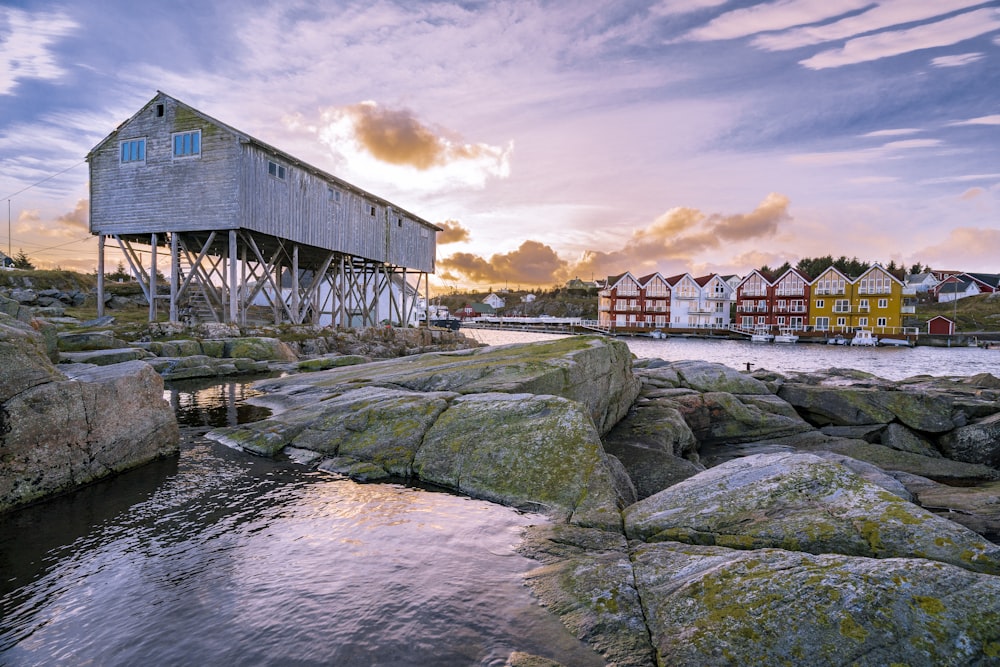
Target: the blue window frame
(133, 150)
(187, 144)
(276, 170)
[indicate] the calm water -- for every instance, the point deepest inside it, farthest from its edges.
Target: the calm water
(887, 362)
(219, 558)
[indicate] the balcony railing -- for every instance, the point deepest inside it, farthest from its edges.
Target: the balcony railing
(908, 310)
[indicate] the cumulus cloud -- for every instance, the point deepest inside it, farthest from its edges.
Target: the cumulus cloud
(26, 42)
(368, 137)
(533, 263)
(78, 218)
(670, 240)
(683, 232)
(452, 232)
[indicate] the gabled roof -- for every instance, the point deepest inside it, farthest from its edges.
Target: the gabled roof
(644, 280)
(827, 270)
(614, 280)
(792, 271)
(282, 155)
(920, 277)
(958, 286)
(673, 280)
(991, 280)
(878, 266)
(753, 273)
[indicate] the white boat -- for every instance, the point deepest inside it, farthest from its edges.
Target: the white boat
(762, 335)
(864, 338)
(836, 340)
(895, 342)
(786, 336)
(656, 333)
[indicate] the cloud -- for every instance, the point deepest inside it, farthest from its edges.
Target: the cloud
(958, 60)
(901, 131)
(368, 138)
(889, 150)
(672, 239)
(773, 16)
(677, 7)
(893, 43)
(25, 46)
(533, 263)
(876, 17)
(968, 248)
(982, 120)
(972, 193)
(453, 232)
(79, 217)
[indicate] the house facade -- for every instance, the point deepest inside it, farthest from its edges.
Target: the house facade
(715, 302)
(496, 301)
(618, 302)
(873, 300)
(753, 302)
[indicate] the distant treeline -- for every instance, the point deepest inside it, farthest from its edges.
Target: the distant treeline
(852, 268)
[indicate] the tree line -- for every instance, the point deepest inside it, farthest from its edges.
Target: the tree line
(852, 267)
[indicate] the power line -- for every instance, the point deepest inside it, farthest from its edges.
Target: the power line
(47, 178)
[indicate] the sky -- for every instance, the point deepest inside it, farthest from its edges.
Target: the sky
(550, 140)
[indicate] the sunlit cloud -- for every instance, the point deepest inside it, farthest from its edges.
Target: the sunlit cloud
(26, 42)
(79, 218)
(972, 193)
(893, 43)
(964, 178)
(677, 7)
(959, 60)
(394, 145)
(452, 232)
(964, 246)
(533, 263)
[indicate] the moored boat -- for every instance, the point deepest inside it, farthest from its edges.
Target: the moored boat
(761, 335)
(786, 336)
(864, 338)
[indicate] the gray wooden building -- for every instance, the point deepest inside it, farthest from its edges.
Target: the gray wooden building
(245, 227)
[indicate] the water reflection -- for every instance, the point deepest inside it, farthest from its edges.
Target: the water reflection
(210, 403)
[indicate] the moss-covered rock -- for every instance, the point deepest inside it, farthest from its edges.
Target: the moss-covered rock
(535, 452)
(710, 606)
(259, 348)
(704, 376)
(716, 417)
(73, 341)
(853, 406)
(978, 442)
(330, 361)
(587, 580)
(803, 503)
(24, 362)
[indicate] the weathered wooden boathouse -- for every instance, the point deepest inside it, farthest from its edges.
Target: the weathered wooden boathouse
(249, 228)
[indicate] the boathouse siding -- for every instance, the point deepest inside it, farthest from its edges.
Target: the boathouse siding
(238, 182)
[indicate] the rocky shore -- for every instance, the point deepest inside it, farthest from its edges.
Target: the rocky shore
(699, 515)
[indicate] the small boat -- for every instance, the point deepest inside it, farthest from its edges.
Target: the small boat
(656, 333)
(762, 335)
(864, 338)
(894, 342)
(452, 323)
(836, 340)
(786, 336)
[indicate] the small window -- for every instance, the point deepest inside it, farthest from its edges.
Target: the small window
(276, 170)
(373, 210)
(399, 222)
(133, 150)
(159, 111)
(883, 303)
(334, 195)
(187, 144)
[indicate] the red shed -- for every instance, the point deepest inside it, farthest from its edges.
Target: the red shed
(940, 325)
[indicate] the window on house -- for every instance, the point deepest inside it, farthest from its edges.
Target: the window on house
(334, 195)
(862, 321)
(373, 210)
(133, 150)
(399, 222)
(841, 321)
(819, 303)
(883, 303)
(822, 323)
(276, 170)
(187, 144)
(882, 321)
(159, 111)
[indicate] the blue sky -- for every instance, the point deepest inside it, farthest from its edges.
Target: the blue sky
(549, 139)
